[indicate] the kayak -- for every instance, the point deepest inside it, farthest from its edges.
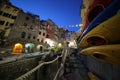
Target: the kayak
(107, 32)
(96, 7)
(106, 53)
(107, 13)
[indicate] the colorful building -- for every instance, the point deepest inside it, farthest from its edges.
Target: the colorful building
(8, 15)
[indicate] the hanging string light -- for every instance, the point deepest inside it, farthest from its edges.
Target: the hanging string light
(72, 26)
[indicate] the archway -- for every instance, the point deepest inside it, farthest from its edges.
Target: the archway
(17, 49)
(40, 48)
(29, 47)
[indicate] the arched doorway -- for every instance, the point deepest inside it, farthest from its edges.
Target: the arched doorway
(29, 48)
(23, 35)
(40, 48)
(17, 49)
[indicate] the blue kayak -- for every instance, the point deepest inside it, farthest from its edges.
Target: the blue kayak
(108, 12)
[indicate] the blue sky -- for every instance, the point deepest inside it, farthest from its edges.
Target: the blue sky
(62, 12)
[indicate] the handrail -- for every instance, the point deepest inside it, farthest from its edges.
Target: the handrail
(55, 78)
(35, 69)
(61, 66)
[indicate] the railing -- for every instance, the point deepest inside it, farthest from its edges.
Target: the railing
(28, 75)
(61, 69)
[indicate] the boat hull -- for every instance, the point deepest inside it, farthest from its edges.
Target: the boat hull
(107, 53)
(108, 12)
(109, 31)
(96, 7)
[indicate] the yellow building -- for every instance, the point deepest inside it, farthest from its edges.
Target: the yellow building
(8, 14)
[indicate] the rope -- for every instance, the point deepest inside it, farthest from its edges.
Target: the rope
(24, 76)
(61, 66)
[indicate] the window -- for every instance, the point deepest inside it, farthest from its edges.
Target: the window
(2, 33)
(27, 18)
(33, 37)
(39, 33)
(1, 12)
(31, 27)
(29, 36)
(43, 34)
(15, 10)
(7, 24)
(25, 24)
(6, 14)
(13, 17)
(47, 36)
(33, 21)
(38, 40)
(9, 15)
(11, 24)
(42, 40)
(7, 7)
(23, 34)
(2, 22)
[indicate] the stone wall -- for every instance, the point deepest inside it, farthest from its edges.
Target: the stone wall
(12, 70)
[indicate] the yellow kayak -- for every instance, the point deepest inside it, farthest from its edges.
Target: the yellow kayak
(92, 76)
(107, 53)
(107, 32)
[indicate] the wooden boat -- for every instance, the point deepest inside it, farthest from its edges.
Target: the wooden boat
(107, 53)
(108, 12)
(107, 32)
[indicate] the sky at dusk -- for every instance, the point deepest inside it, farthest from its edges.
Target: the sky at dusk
(64, 13)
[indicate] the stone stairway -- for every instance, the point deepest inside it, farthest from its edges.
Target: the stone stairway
(74, 69)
